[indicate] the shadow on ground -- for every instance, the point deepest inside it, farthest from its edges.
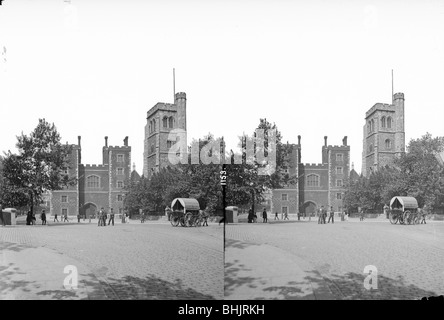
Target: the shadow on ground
(348, 286)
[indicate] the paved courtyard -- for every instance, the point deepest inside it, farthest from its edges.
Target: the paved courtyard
(128, 261)
(304, 260)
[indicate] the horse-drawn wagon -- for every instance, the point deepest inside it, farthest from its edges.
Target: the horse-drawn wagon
(404, 210)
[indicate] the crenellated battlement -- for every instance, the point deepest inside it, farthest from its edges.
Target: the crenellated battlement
(95, 166)
(314, 165)
(123, 148)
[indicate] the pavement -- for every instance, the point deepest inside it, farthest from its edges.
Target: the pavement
(151, 261)
(302, 260)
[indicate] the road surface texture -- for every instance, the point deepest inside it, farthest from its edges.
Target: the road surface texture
(128, 261)
(306, 260)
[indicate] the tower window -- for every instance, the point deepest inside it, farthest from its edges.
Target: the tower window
(339, 196)
(389, 122)
(383, 122)
(171, 122)
(339, 183)
(388, 144)
(120, 171)
(119, 184)
(64, 199)
(119, 197)
(313, 180)
(284, 197)
(120, 158)
(93, 182)
(339, 157)
(373, 125)
(339, 170)
(165, 122)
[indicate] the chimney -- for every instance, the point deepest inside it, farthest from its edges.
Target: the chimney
(344, 141)
(299, 140)
(106, 141)
(125, 141)
(325, 140)
(78, 139)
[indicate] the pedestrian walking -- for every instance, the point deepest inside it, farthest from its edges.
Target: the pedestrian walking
(111, 216)
(78, 218)
(424, 214)
(324, 215)
(332, 215)
(100, 217)
(276, 216)
(386, 211)
(286, 216)
(320, 215)
(123, 217)
(34, 220)
(104, 216)
(55, 217)
(361, 214)
(264, 216)
(43, 217)
(205, 216)
(142, 216)
(65, 217)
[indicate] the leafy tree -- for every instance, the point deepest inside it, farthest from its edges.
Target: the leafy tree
(40, 165)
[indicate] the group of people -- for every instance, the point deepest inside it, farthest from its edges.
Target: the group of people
(276, 217)
(65, 217)
(322, 215)
(102, 215)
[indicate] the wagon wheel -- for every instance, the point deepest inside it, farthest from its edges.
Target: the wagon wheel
(175, 220)
(182, 221)
(407, 217)
(189, 219)
(393, 217)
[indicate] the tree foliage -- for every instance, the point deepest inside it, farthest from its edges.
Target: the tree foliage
(416, 173)
(40, 165)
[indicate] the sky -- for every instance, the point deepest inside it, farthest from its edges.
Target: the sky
(94, 68)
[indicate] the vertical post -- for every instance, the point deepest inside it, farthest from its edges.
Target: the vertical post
(392, 88)
(174, 85)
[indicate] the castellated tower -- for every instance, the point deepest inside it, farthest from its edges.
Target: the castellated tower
(97, 186)
(384, 134)
(161, 119)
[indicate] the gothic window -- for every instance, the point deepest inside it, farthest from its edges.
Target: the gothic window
(388, 144)
(389, 122)
(93, 182)
(165, 122)
(373, 125)
(383, 122)
(154, 125)
(171, 122)
(313, 180)
(369, 127)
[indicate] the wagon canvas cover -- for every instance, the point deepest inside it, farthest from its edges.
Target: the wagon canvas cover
(405, 202)
(179, 204)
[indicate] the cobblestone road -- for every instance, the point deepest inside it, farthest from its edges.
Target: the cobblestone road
(409, 258)
(138, 261)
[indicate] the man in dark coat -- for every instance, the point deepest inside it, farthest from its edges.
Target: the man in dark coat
(264, 216)
(43, 217)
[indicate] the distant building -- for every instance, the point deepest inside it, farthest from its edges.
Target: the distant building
(97, 185)
(354, 176)
(161, 119)
(318, 184)
(384, 134)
